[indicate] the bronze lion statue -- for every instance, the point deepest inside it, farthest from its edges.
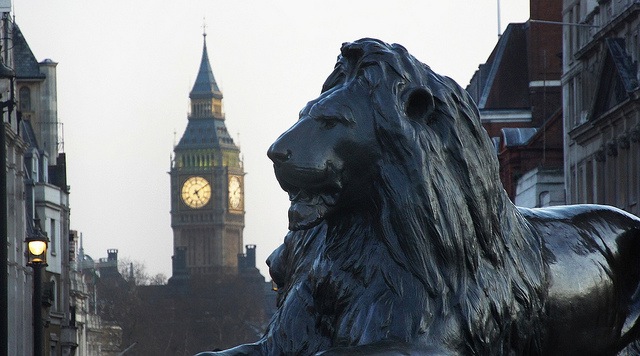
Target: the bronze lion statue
(403, 241)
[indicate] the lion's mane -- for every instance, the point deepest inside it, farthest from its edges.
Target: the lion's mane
(438, 222)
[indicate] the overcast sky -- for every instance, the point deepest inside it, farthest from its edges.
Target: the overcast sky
(125, 69)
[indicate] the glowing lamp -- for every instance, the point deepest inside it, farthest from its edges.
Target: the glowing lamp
(37, 249)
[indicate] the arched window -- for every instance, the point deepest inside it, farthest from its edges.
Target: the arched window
(24, 97)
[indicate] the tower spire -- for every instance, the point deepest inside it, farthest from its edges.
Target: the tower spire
(206, 97)
(205, 86)
(204, 27)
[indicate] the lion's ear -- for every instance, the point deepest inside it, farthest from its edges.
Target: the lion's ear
(419, 104)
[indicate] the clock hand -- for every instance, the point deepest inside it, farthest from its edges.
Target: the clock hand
(197, 191)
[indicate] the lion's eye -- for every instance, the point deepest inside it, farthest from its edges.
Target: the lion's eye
(329, 122)
(419, 105)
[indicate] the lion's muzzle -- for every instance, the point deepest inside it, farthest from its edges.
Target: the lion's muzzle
(313, 188)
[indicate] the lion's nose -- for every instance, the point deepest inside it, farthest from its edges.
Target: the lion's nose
(278, 155)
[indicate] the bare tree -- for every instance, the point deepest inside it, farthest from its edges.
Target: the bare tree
(158, 279)
(133, 272)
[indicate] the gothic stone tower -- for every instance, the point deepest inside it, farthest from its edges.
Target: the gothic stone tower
(207, 186)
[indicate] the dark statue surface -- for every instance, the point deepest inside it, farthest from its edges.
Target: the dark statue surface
(403, 241)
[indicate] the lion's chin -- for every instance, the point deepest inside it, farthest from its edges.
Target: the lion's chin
(307, 212)
(302, 216)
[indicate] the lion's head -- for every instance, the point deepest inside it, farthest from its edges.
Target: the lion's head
(394, 145)
(383, 116)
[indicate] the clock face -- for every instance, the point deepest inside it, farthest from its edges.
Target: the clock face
(235, 193)
(196, 192)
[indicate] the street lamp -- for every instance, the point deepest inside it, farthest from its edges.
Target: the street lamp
(37, 258)
(6, 82)
(37, 249)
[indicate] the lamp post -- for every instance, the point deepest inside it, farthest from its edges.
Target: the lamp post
(37, 259)
(6, 82)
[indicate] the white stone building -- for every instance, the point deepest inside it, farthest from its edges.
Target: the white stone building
(601, 98)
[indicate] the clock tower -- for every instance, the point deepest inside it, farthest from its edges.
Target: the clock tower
(207, 186)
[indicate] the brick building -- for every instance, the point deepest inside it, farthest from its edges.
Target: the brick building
(518, 93)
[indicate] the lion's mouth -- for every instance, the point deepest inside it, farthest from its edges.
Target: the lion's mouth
(309, 208)
(313, 192)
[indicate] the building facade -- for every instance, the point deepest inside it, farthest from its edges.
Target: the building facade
(601, 94)
(518, 94)
(46, 191)
(95, 336)
(37, 198)
(39, 201)
(207, 186)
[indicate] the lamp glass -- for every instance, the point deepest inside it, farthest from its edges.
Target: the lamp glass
(37, 248)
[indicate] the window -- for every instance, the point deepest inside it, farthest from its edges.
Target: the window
(53, 237)
(623, 174)
(566, 42)
(589, 183)
(53, 347)
(574, 187)
(24, 97)
(600, 185)
(44, 169)
(35, 165)
(580, 185)
(54, 294)
(571, 104)
(610, 179)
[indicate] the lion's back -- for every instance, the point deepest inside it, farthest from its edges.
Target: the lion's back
(592, 226)
(585, 246)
